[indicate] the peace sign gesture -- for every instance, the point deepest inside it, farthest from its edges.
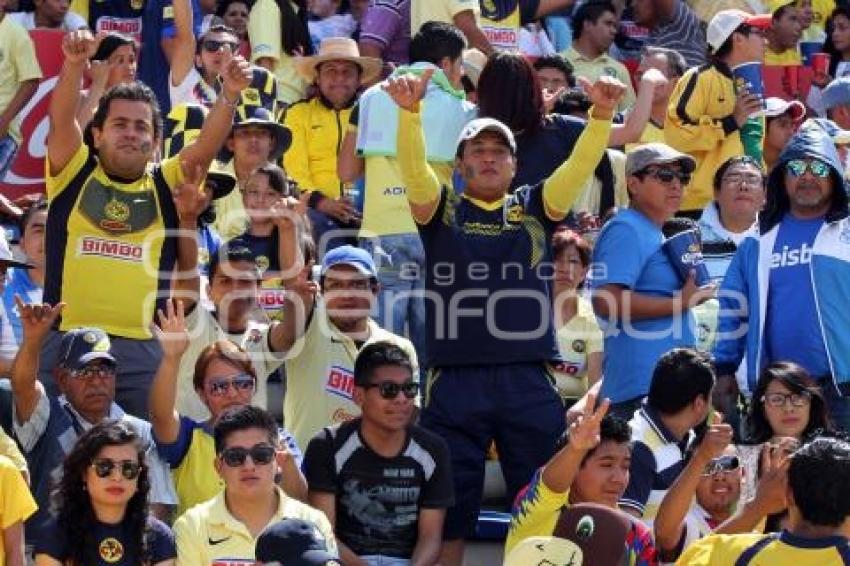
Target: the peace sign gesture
(407, 90)
(584, 432)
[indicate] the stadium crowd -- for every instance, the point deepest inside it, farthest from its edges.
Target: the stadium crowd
(425, 282)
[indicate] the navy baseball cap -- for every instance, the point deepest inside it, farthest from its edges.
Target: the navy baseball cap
(358, 258)
(83, 345)
(837, 93)
(293, 542)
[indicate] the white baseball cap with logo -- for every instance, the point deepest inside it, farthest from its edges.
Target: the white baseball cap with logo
(476, 127)
(725, 22)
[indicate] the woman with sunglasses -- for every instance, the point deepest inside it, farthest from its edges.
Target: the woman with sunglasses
(224, 378)
(787, 406)
(101, 516)
(579, 335)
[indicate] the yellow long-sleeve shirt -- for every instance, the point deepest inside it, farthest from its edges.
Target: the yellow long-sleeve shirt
(700, 123)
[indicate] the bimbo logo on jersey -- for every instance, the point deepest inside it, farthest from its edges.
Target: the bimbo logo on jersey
(790, 257)
(113, 249)
(340, 382)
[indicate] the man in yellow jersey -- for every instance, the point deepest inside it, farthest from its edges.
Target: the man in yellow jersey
(109, 251)
(489, 308)
(818, 495)
(784, 34)
(672, 65)
(224, 530)
(388, 231)
(318, 126)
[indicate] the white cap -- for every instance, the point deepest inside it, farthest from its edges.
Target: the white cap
(777, 107)
(725, 22)
(475, 127)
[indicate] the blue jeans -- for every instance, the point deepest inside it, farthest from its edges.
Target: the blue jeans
(137, 362)
(400, 260)
(380, 560)
(8, 150)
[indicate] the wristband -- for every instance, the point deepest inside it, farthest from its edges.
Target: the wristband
(227, 102)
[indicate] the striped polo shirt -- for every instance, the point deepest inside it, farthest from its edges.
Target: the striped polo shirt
(657, 460)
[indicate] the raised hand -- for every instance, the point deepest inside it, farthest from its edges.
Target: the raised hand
(604, 94)
(171, 331)
(79, 46)
(407, 90)
(284, 212)
(653, 78)
(550, 98)
(37, 319)
(773, 482)
(301, 285)
(236, 74)
(717, 437)
(584, 432)
(99, 71)
(190, 198)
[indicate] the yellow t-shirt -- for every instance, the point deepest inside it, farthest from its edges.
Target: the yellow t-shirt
(788, 58)
(604, 65)
(195, 480)
(320, 375)
(208, 535)
(264, 33)
(503, 34)
(231, 218)
(16, 501)
(422, 11)
(536, 513)
(18, 63)
(106, 245)
(577, 339)
(651, 134)
(779, 550)
(10, 450)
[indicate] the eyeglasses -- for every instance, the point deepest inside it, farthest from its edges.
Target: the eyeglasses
(667, 176)
(103, 468)
(722, 464)
(781, 399)
(91, 372)
(744, 180)
(797, 168)
(213, 45)
(221, 386)
(389, 389)
(261, 454)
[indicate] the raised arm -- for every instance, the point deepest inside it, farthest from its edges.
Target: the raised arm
(162, 399)
(565, 185)
(465, 21)
(183, 51)
(36, 321)
(423, 187)
(236, 75)
(65, 135)
(669, 522)
(638, 116)
(190, 202)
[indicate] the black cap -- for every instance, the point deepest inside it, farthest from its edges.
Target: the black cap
(294, 542)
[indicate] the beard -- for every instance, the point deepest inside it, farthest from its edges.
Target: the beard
(809, 194)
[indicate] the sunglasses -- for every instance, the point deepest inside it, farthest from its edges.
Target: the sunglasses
(797, 168)
(667, 176)
(91, 372)
(261, 454)
(220, 387)
(103, 468)
(721, 465)
(781, 399)
(213, 45)
(390, 390)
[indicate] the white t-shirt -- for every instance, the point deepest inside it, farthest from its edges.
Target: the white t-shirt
(72, 21)
(192, 90)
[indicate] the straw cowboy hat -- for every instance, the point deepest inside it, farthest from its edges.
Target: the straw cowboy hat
(339, 49)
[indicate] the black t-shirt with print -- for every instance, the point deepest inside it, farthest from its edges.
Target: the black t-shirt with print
(378, 499)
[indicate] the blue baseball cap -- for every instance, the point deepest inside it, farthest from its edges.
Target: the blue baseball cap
(80, 346)
(358, 258)
(837, 93)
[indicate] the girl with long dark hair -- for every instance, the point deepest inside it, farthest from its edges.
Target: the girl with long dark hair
(101, 511)
(837, 44)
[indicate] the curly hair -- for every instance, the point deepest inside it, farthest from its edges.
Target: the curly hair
(72, 504)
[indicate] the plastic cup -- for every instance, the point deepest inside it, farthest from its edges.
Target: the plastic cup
(685, 253)
(808, 49)
(820, 63)
(747, 76)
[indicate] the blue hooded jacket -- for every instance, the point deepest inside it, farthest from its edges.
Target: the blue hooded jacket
(743, 294)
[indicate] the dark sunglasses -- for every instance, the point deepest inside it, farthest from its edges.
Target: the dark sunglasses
(105, 371)
(722, 464)
(390, 389)
(213, 45)
(261, 454)
(667, 176)
(103, 468)
(221, 386)
(797, 168)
